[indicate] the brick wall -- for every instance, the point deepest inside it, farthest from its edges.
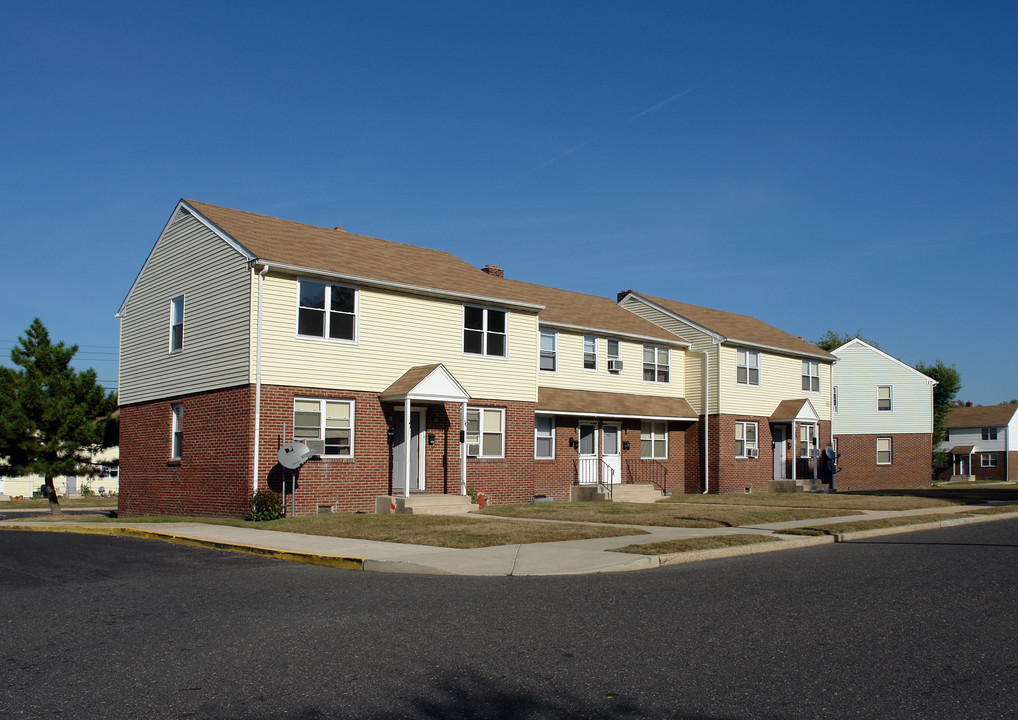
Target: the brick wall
(214, 476)
(731, 474)
(911, 461)
(554, 477)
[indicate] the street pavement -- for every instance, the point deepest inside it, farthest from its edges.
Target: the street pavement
(569, 557)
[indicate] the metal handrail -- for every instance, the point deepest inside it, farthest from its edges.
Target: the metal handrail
(607, 486)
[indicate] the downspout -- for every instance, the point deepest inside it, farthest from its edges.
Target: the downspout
(706, 423)
(258, 379)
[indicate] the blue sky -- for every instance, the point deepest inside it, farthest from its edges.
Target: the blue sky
(846, 166)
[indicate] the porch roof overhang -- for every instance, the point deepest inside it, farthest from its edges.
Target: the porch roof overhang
(800, 410)
(589, 403)
(430, 383)
(963, 449)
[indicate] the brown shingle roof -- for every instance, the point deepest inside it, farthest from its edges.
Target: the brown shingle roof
(360, 256)
(740, 328)
(981, 416)
(585, 402)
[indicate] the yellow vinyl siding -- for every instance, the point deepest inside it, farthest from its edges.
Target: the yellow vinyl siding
(699, 340)
(780, 379)
(570, 374)
(395, 331)
(187, 260)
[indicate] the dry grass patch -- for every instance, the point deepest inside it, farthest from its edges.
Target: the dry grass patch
(453, 531)
(837, 501)
(712, 542)
(664, 514)
(847, 527)
(65, 503)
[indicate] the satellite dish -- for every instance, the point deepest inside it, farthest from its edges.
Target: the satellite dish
(293, 455)
(829, 453)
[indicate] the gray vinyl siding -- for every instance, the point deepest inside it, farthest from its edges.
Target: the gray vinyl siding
(189, 260)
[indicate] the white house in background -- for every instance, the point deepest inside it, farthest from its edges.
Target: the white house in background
(982, 442)
(104, 481)
(882, 420)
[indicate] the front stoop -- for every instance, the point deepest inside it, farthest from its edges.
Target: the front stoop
(424, 505)
(636, 493)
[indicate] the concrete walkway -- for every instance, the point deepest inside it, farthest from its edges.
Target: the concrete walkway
(570, 557)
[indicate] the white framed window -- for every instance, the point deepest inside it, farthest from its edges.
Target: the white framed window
(484, 331)
(544, 437)
(325, 426)
(549, 351)
(835, 398)
(988, 459)
(746, 439)
(653, 440)
(811, 376)
(883, 398)
(807, 439)
(614, 355)
(989, 433)
(485, 432)
(883, 451)
(747, 366)
(177, 431)
(177, 324)
(326, 311)
(655, 363)
(590, 352)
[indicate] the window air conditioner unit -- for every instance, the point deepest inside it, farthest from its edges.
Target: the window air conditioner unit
(752, 452)
(614, 366)
(473, 449)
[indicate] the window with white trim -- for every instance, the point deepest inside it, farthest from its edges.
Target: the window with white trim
(811, 376)
(883, 451)
(326, 311)
(988, 459)
(549, 351)
(989, 433)
(883, 398)
(745, 439)
(177, 323)
(177, 432)
(484, 331)
(807, 440)
(653, 440)
(485, 432)
(614, 351)
(590, 352)
(544, 437)
(835, 398)
(747, 366)
(325, 426)
(655, 363)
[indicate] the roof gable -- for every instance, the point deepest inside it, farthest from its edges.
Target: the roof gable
(857, 343)
(736, 329)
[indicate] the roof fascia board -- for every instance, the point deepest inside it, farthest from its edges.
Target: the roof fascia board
(614, 333)
(403, 287)
(715, 336)
(864, 344)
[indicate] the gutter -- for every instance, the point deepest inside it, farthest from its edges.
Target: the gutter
(258, 380)
(706, 422)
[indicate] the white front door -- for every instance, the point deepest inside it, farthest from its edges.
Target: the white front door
(779, 452)
(611, 453)
(587, 467)
(415, 447)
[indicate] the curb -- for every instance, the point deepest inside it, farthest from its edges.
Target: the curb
(351, 563)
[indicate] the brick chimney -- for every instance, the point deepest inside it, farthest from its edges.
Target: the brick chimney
(339, 228)
(494, 270)
(618, 298)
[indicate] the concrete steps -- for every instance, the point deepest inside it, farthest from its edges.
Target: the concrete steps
(425, 505)
(636, 493)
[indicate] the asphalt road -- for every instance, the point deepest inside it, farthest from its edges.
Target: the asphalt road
(920, 625)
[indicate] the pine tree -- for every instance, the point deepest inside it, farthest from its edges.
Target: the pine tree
(50, 414)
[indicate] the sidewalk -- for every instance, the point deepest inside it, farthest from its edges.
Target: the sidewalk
(569, 557)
